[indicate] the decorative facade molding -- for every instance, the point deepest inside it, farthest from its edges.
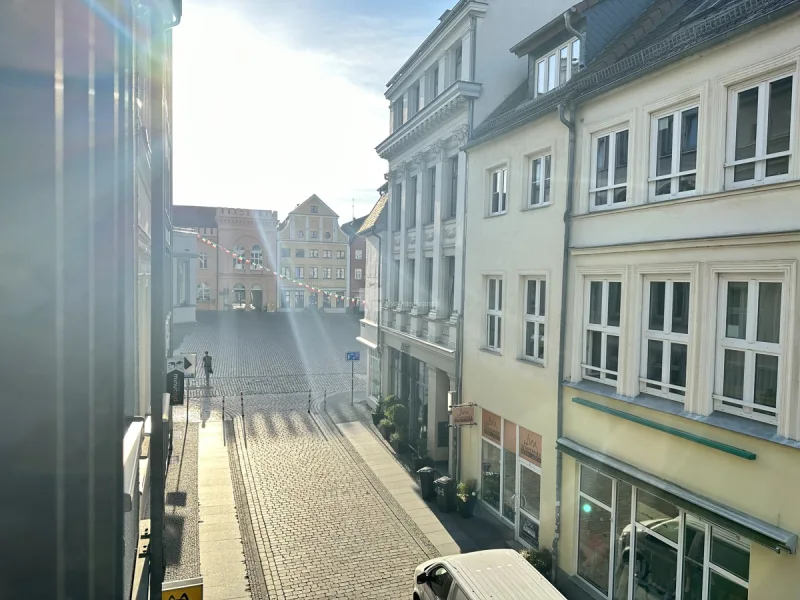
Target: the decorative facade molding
(429, 236)
(460, 135)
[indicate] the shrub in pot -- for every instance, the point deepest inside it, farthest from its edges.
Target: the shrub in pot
(398, 443)
(467, 494)
(386, 428)
(541, 559)
(378, 412)
(398, 416)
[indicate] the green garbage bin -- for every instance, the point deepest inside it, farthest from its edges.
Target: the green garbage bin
(426, 477)
(445, 493)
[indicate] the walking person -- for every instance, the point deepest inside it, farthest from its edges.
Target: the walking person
(207, 368)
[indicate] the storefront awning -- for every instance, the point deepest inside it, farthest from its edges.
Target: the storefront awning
(759, 531)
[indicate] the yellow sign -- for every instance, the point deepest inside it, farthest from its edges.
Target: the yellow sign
(188, 589)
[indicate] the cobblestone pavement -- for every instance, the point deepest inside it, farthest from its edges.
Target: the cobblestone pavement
(321, 523)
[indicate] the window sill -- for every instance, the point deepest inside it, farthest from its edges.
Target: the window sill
(609, 207)
(529, 361)
(493, 351)
(497, 214)
(736, 424)
(536, 206)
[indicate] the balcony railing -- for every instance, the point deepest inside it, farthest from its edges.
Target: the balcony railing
(416, 322)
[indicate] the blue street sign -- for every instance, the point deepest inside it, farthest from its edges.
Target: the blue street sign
(350, 356)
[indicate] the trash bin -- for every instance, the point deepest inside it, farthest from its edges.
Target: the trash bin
(426, 476)
(445, 493)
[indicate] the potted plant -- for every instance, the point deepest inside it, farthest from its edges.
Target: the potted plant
(541, 559)
(467, 493)
(386, 428)
(378, 413)
(398, 442)
(398, 416)
(422, 459)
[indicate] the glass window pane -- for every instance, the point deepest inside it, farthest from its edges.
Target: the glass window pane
(689, 121)
(563, 65)
(596, 302)
(601, 179)
(693, 558)
(621, 157)
(769, 312)
(731, 552)
(596, 485)
(529, 491)
(623, 532)
(492, 294)
(594, 544)
(541, 72)
(780, 115)
(655, 357)
(612, 355)
(664, 146)
(658, 294)
(594, 344)
(614, 302)
(663, 187)
(657, 569)
(490, 475)
(601, 198)
(499, 294)
(542, 295)
(658, 515)
(746, 123)
(766, 384)
(736, 310)
(528, 530)
(677, 366)
(509, 483)
(546, 197)
(551, 72)
(530, 297)
(721, 588)
(620, 195)
(530, 339)
(733, 374)
(536, 180)
(777, 166)
(744, 172)
(687, 183)
(541, 341)
(680, 307)
(576, 56)
(492, 329)
(499, 331)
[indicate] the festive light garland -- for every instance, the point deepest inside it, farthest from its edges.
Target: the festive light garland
(247, 261)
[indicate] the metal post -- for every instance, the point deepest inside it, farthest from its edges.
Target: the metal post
(352, 371)
(325, 401)
(244, 426)
(223, 421)
(309, 401)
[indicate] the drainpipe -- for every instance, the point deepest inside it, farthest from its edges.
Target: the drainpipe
(578, 34)
(570, 124)
(380, 304)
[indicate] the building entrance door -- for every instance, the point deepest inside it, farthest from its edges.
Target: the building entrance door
(257, 299)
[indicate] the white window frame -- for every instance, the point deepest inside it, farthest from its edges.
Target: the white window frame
(327, 253)
(339, 272)
(313, 273)
(327, 272)
(761, 157)
(238, 261)
(203, 292)
(495, 314)
(203, 260)
(542, 199)
(313, 253)
(604, 329)
(314, 208)
(359, 274)
(498, 184)
(675, 173)
(666, 336)
(314, 234)
(299, 273)
(286, 272)
(256, 257)
(750, 346)
(550, 61)
(610, 188)
(359, 254)
(539, 319)
(341, 254)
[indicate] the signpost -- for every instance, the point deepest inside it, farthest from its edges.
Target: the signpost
(175, 375)
(352, 357)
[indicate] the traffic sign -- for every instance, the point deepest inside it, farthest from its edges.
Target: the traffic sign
(188, 589)
(350, 356)
(189, 364)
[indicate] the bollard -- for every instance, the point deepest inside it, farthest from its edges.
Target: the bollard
(244, 426)
(223, 421)
(309, 401)
(325, 400)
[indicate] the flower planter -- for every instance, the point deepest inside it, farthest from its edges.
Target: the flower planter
(467, 508)
(386, 433)
(376, 418)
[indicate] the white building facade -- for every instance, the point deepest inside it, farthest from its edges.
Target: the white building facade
(184, 276)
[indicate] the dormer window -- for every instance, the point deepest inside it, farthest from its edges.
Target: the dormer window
(558, 67)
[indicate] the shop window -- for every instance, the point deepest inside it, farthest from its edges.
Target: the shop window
(490, 474)
(594, 528)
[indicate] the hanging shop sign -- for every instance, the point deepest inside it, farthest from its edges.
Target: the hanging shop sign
(464, 414)
(490, 426)
(530, 446)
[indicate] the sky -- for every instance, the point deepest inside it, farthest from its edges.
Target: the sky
(275, 100)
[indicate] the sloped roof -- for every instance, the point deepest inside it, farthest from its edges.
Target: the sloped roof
(351, 228)
(194, 216)
(304, 208)
(655, 40)
(373, 218)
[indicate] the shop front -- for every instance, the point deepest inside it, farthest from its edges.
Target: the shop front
(511, 474)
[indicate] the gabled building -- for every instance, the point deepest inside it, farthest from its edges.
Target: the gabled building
(357, 264)
(312, 253)
(643, 409)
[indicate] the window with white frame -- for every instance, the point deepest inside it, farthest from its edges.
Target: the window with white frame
(602, 330)
(313, 272)
(286, 272)
(558, 67)
(313, 253)
(609, 183)
(256, 257)
(539, 193)
(749, 346)
(238, 257)
(359, 274)
(203, 260)
(665, 343)
(314, 235)
(326, 273)
(298, 272)
(534, 326)
(673, 160)
(203, 292)
(760, 124)
(494, 312)
(314, 208)
(497, 201)
(359, 254)
(326, 253)
(340, 273)
(340, 254)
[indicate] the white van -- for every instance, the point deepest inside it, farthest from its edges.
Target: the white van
(495, 574)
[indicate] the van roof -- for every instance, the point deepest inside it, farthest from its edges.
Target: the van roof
(500, 574)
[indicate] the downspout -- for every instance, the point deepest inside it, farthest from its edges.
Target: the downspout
(581, 36)
(562, 334)
(380, 306)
